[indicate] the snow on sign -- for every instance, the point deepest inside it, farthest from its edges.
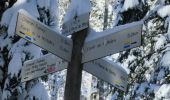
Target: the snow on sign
(74, 25)
(101, 44)
(41, 35)
(108, 71)
(42, 66)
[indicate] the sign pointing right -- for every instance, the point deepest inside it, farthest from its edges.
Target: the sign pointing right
(108, 71)
(120, 38)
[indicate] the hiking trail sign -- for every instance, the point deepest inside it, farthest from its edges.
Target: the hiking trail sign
(97, 45)
(108, 71)
(120, 38)
(42, 66)
(111, 72)
(41, 35)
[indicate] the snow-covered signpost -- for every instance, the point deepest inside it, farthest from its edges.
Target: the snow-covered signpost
(80, 50)
(75, 67)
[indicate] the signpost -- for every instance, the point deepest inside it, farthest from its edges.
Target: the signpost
(42, 66)
(111, 41)
(111, 72)
(76, 24)
(41, 35)
(80, 52)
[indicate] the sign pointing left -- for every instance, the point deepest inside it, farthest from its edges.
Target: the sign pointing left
(42, 66)
(41, 35)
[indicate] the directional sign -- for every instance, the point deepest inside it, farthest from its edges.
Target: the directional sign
(120, 38)
(76, 24)
(101, 68)
(108, 71)
(42, 66)
(41, 35)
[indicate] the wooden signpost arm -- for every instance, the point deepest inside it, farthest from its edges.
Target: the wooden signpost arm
(75, 67)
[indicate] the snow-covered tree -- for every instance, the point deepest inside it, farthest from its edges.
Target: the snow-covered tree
(15, 50)
(148, 65)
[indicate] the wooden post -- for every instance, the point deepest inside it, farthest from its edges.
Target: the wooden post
(75, 67)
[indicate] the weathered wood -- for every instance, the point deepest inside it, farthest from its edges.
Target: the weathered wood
(74, 70)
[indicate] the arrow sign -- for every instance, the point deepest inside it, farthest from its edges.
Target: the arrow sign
(41, 35)
(101, 68)
(76, 24)
(120, 38)
(42, 66)
(108, 71)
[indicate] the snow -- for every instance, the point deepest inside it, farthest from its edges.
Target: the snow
(163, 92)
(6, 18)
(39, 92)
(116, 9)
(160, 41)
(33, 50)
(19, 50)
(33, 18)
(17, 47)
(135, 86)
(77, 8)
(10, 17)
(161, 74)
(94, 85)
(164, 11)
(4, 42)
(148, 75)
(86, 84)
(153, 9)
(16, 52)
(54, 15)
(15, 64)
(165, 60)
(115, 56)
(153, 87)
(119, 66)
(125, 64)
(114, 96)
(44, 3)
(93, 34)
(141, 89)
(6, 93)
(129, 4)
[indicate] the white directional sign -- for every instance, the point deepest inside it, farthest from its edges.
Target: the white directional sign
(41, 35)
(42, 66)
(76, 24)
(101, 44)
(108, 71)
(102, 68)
